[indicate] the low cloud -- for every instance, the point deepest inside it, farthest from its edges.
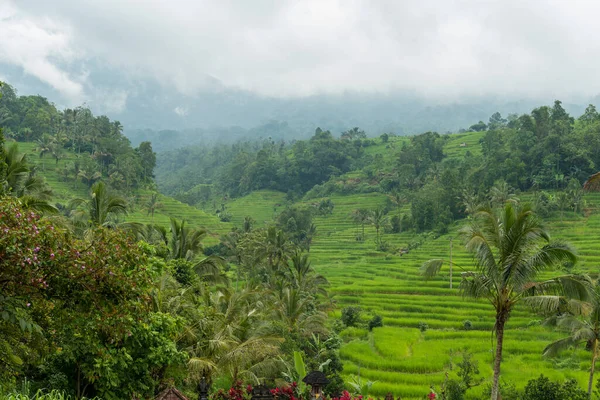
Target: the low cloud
(439, 49)
(39, 47)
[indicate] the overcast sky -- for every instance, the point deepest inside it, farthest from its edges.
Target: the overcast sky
(440, 49)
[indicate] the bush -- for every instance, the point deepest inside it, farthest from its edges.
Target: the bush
(454, 390)
(423, 326)
(351, 316)
(467, 325)
(543, 388)
(375, 322)
(325, 207)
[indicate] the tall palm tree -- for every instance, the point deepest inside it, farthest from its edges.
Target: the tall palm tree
(511, 248)
(45, 145)
(301, 275)
(231, 338)
(378, 219)
(295, 310)
(23, 183)
(361, 217)
(102, 206)
(185, 243)
(153, 204)
(581, 320)
(502, 192)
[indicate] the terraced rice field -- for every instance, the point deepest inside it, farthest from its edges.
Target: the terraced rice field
(398, 356)
(67, 190)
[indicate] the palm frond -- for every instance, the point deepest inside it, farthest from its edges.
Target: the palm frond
(431, 268)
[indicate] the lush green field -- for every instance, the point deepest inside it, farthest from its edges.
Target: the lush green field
(65, 190)
(399, 357)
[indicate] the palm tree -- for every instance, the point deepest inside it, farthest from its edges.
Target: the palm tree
(45, 145)
(502, 192)
(581, 320)
(23, 183)
(302, 276)
(153, 204)
(185, 243)
(102, 205)
(230, 338)
(361, 217)
(294, 308)
(379, 219)
(511, 248)
(270, 245)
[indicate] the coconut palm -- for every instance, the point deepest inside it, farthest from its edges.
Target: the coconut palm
(361, 217)
(23, 183)
(231, 337)
(45, 145)
(295, 310)
(582, 321)
(185, 243)
(379, 220)
(502, 192)
(300, 275)
(511, 248)
(153, 204)
(102, 206)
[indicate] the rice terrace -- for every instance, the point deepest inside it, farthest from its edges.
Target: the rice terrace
(299, 200)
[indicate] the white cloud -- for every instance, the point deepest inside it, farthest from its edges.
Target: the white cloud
(442, 49)
(181, 111)
(38, 46)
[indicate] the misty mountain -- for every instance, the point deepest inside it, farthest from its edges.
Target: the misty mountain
(159, 113)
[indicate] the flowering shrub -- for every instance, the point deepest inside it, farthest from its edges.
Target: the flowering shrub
(236, 392)
(347, 396)
(87, 303)
(286, 392)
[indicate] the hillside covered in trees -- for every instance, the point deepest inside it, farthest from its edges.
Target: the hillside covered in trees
(545, 150)
(276, 258)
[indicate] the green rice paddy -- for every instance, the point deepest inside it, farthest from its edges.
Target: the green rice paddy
(398, 357)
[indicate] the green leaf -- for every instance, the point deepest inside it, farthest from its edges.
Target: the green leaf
(300, 370)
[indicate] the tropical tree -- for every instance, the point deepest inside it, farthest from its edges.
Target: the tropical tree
(22, 182)
(185, 243)
(361, 217)
(232, 337)
(299, 274)
(581, 320)
(153, 204)
(295, 310)
(45, 145)
(101, 207)
(511, 247)
(379, 220)
(502, 192)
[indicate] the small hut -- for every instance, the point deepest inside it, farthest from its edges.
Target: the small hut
(171, 394)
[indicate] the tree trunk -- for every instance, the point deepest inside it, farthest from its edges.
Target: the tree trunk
(500, 321)
(594, 356)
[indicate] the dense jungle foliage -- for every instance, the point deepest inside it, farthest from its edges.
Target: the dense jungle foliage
(545, 150)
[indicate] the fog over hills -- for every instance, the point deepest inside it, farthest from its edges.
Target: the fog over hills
(151, 111)
(282, 69)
